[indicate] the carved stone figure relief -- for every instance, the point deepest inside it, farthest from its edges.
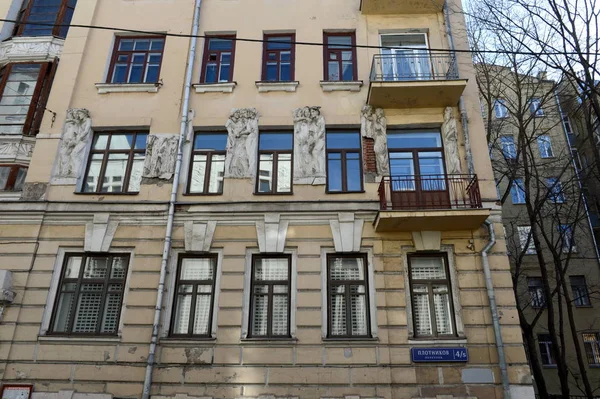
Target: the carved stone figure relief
(373, 124)
(71, 151)
(450, 136)
(242, 129)
(309, 144)
(161, 154)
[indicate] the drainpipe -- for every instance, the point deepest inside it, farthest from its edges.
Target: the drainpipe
(171, 216)
(494, 308)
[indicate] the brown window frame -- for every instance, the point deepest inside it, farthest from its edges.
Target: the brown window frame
(327, 51)
(116, 52)
(218, 62)
(584, 300)
(12, 176)
(270, 284)
(132, 151)
(347, 284)
(430, 284)
(292, 50)
(106, 281)
(207, 171)
(274, 176)
(532, 290)
(547, 343)
(25, 12)
(344, 160)
(593, 359)
(195, 294)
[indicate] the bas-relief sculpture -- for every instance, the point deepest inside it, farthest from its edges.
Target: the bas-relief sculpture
(242, 141)
(450, 136)
(161, 153)
(73, 142)
(373, 124)
(309, 144)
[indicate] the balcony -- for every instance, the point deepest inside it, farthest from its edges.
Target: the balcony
(415, 79)
(400, 6)
(430, 203)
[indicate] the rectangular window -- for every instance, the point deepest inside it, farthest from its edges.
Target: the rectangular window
(545, 146)
(556, 194)
(47, 15)
(565, 232)
(136, 59)
(581, 296)
(347, 295)
(545, 344)
(12, 177)
(592, 347)
(431, 296)
(116, 163)
(270, 297)
(535, 107)
(194, 293)
(90, 294)
(217, 63)
(208, 163)
(340, 56)
(508, 147)
(500, 109)
(536, 292)
(279, 57)
(275, 163)
(526, 240)
(344, 164)
(517, 192)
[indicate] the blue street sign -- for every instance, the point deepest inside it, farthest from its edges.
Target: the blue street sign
(439, 355)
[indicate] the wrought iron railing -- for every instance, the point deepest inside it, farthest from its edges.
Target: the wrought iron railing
(414, 65)
(429, 192)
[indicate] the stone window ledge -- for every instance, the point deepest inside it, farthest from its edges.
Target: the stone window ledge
(341, 86)
(215, 87)
(79, 340)
(447, 341)
(269, 341)
(10, 195)
(104, 88)
(168, 341)
(265, 87)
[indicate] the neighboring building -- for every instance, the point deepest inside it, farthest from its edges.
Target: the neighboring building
(299, 268)
(537, 149)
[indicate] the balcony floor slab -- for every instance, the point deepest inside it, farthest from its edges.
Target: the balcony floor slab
(416, 94)
(430, 220)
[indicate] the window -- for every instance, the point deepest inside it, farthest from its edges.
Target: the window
(274, 163)
(46, 13)
(517, 192)
(535, 107)
(12, 177)
(217, 64)
(24, 89)
(270, 297)
(344, 166)
(116, 163)
(556, 194)
(545, 146)
(90, 294)
(592, 347)
(340, 56)
(136, 59)
(565, 232)
(500, 109)
(581, 296)
(347, 295)
(536, 292)
(194, 293)
(431, 296)
(508, 147)
(208, 163)
(526, 239)
(278, 58)
(545, 344)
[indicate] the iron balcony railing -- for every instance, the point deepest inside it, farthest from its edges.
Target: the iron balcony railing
(413, 65)
(429, 192)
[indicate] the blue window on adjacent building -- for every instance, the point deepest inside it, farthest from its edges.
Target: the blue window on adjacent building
(556, 194)
(545, 146)
(517, 192)
(508, 147)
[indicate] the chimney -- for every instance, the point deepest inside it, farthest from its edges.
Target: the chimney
(542, 75)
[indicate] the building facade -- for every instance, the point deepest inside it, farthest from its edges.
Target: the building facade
(325, 238)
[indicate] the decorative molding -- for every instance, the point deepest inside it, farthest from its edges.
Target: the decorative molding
(427, 240)
(242, 142)
(179, 396)
(67, 394)
(354, 85)
(77, 132)
(347, 232)
(265, 87)
(373, 124)
(215, 87)
(198, 236)
(272, 233)
(161, 153)
(16, 148)
(309, 145)
(104, 88)
(99, 233)
(450, 136)
(32, 49)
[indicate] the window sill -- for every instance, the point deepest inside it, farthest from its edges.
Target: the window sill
(354, 85)
(104, 88)
(215, 87)
(171, 341)
(265, 87)
(330, 340)
(91, 340)
(111, 193)
(441, 341)
(269, 341)
(10, 195)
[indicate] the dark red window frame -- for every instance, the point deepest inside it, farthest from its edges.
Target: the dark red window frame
(292, 50)
(12, 176)
(129, 54)
(63, 17)
(208, 52)
(338, 51)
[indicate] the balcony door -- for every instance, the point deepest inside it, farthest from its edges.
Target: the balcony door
(418, 174)
(405, 57)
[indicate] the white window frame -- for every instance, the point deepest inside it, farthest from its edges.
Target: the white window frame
(512, 145)
(545, 146)
(523, 232)
(520, 192)
(557, 195)
(536, 111)
(566, 248)
(500, 104)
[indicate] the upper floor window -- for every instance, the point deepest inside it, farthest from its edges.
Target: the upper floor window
(136, 59)
(116, 163)
(545, 344)
(90, 294)
(565, 232)
(340, 56)
(275, 163)
(517, 192)
(526, 239)
(217, 63)
(556, 194)
(44, 16)
(208, 163)
(279, 57)
(581, 296)
(592, 347)
(545, 146)
(536, 292)
(344, 165)
(500, 110)
(508, 147)
(535, 107)
(12, 177)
